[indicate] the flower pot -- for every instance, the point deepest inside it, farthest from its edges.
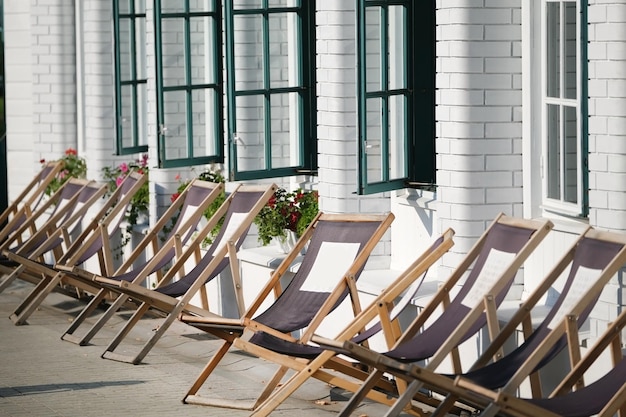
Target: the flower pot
(286, 244)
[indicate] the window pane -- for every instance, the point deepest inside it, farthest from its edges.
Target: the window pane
(175, 125)
(570, 130)
(286, 132)
(247, 4)
(126, 125)
(397, 47)
(140, 48)
(571, 56)
(248, 52)
(284, 3)
(173, 52)
(553, 126)
(284, 38)
(374, 139)
(373, 49)
(140, 6)
(199, 6)
(397, 134)
(124, 6)
(250, 133)
(172, 6)
(125, 47)
(553, 49)
(201, 51)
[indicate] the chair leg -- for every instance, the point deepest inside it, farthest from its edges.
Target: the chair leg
(444, 406)
(360, 395)
(10, 278)
(35, 298)
(95, 328)
(404, 399)
(171, 317)
(208, 369)
(143, 308)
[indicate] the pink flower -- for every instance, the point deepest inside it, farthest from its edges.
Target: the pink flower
(123, 167)
(144, 160)
(119, 180)
(177, 177)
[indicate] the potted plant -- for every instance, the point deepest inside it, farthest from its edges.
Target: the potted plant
(286, 216)
(73, 167)
(140, 202)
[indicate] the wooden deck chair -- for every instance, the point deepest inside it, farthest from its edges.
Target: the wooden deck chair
(185, 214)
(60, 218)
(605, 397)
(94, 240)
(496, 258)
(173, 297)
(382, 315)
(28, 200)
(593, 259)
(339, 246)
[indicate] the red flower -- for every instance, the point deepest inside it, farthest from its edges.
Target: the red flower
(42, 161)
(272, 202)
(71, 151)
(174, 197)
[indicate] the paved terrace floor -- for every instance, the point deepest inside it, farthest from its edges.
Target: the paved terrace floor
(41, 375)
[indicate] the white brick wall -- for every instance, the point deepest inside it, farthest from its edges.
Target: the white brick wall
(607, 137)
(478, 117)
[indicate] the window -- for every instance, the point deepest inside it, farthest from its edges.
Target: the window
(564, 110)
(396, 89)
(189, 82)
(129, 31)
(271, 88)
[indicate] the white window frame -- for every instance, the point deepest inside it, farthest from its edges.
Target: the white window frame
(560, 205)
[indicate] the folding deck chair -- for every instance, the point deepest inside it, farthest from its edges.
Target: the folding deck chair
(29, 199)
(93, 240)
(173, 297)
(185, 215)
(51, 227)
(339, 246)
(496, 257)
(382, 313)
(593, 259)
(604, 397)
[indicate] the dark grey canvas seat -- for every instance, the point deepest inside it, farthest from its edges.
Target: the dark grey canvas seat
(186, 213)
(172, 296)
(338, 247)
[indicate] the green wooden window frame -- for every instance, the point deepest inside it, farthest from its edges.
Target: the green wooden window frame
(396, 94)
(271, 116)
(189, 82)
(129, 32)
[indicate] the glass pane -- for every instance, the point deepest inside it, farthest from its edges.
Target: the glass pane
(201, 51)
(250, 136)
(570, 133)
(141, 102)
(397, 47)
(248, 52)
(284, 3)
(124, 6)
(553, 49)
(284, 38)
(571, 56)
(200, 6)
(247, 4)
(286, 134)
(126, 120)
(199, 121)
(374, 134)
(124, 46)
(140, 48)
(173, 52)
(397, 136)
(172, 6)
(553, 167)
(175, 124)
(140, 6)
(373, 54)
